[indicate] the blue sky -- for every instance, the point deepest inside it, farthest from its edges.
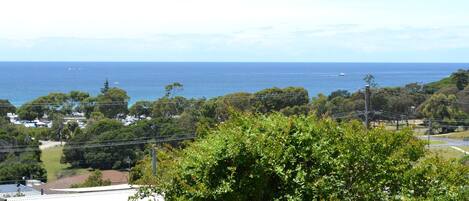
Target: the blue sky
(241, 30)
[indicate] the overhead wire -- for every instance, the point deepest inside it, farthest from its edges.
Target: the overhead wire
(88, 145)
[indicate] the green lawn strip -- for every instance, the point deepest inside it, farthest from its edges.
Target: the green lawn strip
(465, 148)
(446, 152)
(437, 142)
(455, 135)
(51, 160)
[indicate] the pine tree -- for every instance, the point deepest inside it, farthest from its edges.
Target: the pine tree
(106, 87)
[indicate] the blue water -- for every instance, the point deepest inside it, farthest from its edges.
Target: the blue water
(24, 81)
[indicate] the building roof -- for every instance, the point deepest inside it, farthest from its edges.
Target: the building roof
(7, 190)
(119, 195)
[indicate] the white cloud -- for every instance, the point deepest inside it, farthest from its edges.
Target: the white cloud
(234, 30)
(117, 18)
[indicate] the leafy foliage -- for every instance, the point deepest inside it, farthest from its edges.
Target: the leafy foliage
(19, 156)
(113, 102)
(444, 110)
(172, 89)
(275, 99)
(111, 132)
(6, 107)
(440, 106)
(370, 80)
(141, 108)
(53, 103)
(461, 78)
(299, 158)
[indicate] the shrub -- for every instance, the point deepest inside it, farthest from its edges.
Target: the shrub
(299, 158)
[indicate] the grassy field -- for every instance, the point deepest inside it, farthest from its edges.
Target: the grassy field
(51, 160)
(435, 142)
(465, 148)
(455, 135)
(446, 152)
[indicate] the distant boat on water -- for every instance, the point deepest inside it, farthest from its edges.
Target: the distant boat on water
(342, 74)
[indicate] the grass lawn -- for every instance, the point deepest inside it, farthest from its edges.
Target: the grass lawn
(435, 142)
(51, 160)
(465, 148)
(446, 152)
(455, 135)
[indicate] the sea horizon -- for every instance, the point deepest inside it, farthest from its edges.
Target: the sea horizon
(25, 80)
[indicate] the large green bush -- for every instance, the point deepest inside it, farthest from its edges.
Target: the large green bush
(81, 149)
(300, 158)
(19, 155)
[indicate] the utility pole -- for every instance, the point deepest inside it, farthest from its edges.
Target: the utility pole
(407, 120)
(153, 152)
(430, 131)
(367, 106)
(153, 160)
(397, 123)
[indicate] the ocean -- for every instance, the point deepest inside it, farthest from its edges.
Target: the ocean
(23, 81)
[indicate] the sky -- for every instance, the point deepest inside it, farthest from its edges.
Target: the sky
(235, 30)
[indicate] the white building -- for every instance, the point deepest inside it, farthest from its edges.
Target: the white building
(8, 191)
(109, 193)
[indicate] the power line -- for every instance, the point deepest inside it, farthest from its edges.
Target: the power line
(162, 139)
(78, 143)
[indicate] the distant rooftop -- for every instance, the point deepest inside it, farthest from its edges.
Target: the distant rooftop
(9, 190)
(118, 195)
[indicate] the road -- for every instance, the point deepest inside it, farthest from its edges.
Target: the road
(448, 141)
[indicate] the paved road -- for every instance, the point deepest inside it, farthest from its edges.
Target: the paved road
(448, 141)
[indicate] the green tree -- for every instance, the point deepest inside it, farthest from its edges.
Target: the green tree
(169, 107)
(107, 131)
(320, 105)
(461, 78)
(106, 87)
(70, 129)
(113, 103)
(296, 158)
(19, 155)
(78, 96)
(31, 111)
(339, 93)
(76, 156)
(48, 105)
(172, 89)
(443, 110)
(15, 170)
(241, 102)
(141, 108)
(275, 99)
(414, 88)
(6, 107)
(370, 80)
(441, 107)
(88, 106)
(57, 129)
